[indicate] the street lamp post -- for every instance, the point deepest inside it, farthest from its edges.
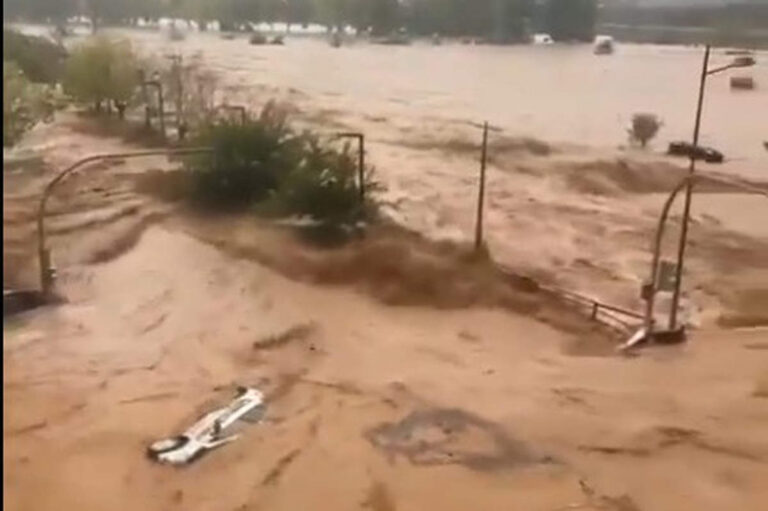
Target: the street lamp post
(694, 154)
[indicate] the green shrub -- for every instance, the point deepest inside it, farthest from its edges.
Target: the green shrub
(247, 161)
(323, 186)
(24, 103)
(102, 72)
(263, 164)
(41, 60)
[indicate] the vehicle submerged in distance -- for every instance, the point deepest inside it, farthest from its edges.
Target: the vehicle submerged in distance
(688, 150)
(604, 45)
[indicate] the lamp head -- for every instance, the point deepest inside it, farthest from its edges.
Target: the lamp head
(743, 62)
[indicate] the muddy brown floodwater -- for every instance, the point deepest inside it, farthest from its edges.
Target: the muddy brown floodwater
(555, 93)
(565, 202)
(481, 403)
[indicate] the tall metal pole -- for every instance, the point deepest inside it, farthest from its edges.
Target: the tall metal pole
(361, 167)
(360, 159)
(481, 193)
(161, 106)
(176, 66)
(654, 277)
(688, 195)
(160, 101)
(654, 274)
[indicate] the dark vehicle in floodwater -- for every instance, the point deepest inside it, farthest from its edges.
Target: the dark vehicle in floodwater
(687, 149)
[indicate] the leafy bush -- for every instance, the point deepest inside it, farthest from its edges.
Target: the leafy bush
(323, 186)
(247, 160)
(102, 72)
(264, 164)
(41, 60)
(24, 103)
(644, 128)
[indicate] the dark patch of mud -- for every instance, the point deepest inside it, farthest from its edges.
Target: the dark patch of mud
(659, 438)
(379, 498)
(452, 436)
(128, 131)
(274, 475)
(294, 333)
(497, 148)
(610, 177)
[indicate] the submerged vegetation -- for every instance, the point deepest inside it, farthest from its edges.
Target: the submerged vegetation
(103, 73)
(39, 59)
(31, 68)
(263, 163)
(24, 103)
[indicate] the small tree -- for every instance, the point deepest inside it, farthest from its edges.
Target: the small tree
(644, 128)
(102, 72)
(39, 59)
(247, 162)
(24, 103)
(323, 186)
(263, 163)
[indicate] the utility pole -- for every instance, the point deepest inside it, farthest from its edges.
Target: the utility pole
(739, 62)
(688, 195)
(176, 69)
(481, 192)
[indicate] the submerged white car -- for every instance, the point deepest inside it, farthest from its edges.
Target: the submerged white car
(210, 431)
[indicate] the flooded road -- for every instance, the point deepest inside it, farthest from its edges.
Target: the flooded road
(566, 201)
(469, 408)
(555, 93)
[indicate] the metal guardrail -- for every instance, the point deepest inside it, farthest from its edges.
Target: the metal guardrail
(618, 318)
(44, 254)
(615, 317)
(690, 179)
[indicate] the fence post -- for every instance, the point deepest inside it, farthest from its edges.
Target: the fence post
(177, 70)
(360, 159)
(481, 193)
(161, 106)
(361, 168)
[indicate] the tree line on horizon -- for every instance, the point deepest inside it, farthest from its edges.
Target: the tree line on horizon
(493, 20)
(743, 14)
